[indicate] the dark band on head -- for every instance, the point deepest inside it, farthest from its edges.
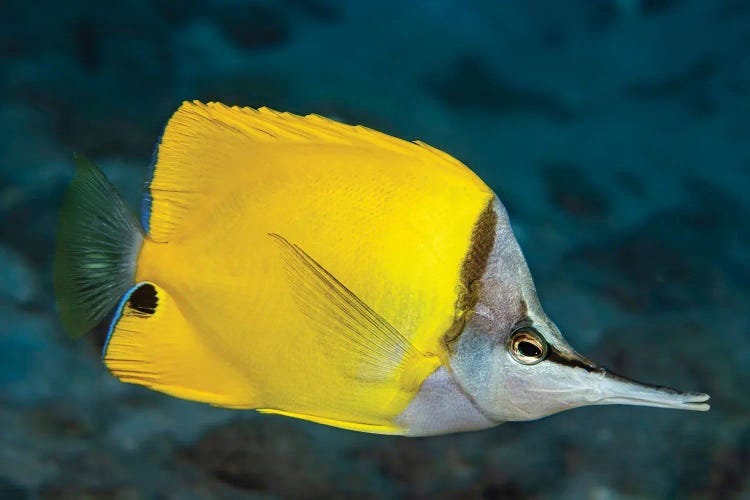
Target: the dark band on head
(473, 268)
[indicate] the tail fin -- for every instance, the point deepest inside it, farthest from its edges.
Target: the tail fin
(97, 246)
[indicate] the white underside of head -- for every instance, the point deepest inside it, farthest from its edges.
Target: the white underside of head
(442, 407)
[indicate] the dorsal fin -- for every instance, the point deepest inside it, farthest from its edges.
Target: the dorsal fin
(201, 141)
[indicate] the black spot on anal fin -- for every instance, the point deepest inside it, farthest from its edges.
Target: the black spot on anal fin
(144, 299)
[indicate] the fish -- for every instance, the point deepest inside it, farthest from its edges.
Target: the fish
(299, 266)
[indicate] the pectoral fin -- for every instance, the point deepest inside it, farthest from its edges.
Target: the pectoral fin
(365, 344)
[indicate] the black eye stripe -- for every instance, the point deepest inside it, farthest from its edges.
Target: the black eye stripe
(574, 362)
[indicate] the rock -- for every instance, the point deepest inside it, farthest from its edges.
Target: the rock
(471, 84)
(649, 7)
(691, 87)
(58, 420)
(12, 491)
(678, 259)
(321, 10)
(729, 471)
(269, 456)
(71, 491)
(254, 25)
(15, 358)
(569, 189)
(92, 472)
(18, 281)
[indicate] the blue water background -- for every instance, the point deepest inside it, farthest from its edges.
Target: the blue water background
(615, 131)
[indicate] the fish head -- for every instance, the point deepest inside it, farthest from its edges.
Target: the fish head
(514, 363)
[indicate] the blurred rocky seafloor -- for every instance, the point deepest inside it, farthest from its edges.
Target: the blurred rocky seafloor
(615, 131)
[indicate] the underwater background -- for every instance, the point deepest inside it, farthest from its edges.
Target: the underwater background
(617, 133)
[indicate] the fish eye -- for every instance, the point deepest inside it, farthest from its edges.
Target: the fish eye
(527, 346)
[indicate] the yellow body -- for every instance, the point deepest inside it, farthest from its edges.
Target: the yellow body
(391, 220)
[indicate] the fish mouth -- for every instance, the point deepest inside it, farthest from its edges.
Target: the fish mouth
(616, 389)
(603, 387)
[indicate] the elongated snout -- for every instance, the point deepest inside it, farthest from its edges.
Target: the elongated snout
(603, 387)
(536, 373)
(616, 389)
(565, 380)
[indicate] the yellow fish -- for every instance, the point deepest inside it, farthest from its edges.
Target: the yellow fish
(300, 266)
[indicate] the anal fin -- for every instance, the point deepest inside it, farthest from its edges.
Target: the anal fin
(151, 343)
(352, 426)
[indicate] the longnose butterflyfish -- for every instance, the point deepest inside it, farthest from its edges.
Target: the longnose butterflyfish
(300, 266)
